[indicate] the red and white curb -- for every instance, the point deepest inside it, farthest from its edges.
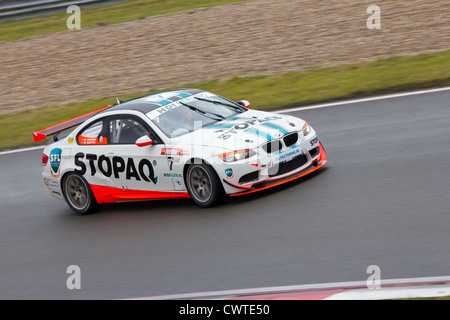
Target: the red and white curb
(387, 289)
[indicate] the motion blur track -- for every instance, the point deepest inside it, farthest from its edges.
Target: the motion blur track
(383, 199)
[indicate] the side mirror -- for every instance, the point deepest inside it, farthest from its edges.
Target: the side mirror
(244, 103)
(144, 141)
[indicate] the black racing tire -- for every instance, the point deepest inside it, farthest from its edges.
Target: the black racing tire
(78, 194)
(204, 185)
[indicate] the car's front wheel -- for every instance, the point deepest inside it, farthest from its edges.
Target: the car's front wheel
(204, 185)
(78, 194)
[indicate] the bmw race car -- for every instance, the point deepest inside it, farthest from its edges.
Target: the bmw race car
(177, 144)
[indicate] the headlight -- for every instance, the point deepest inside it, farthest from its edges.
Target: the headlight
(236, 155)
(306, 129)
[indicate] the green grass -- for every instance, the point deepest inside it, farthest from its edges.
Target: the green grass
(107, 14)
(266, 92)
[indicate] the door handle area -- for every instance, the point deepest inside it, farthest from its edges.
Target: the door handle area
(110, 154)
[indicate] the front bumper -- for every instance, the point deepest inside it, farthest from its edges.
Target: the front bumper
(310, 161)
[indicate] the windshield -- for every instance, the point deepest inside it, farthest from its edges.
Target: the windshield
(192, 113)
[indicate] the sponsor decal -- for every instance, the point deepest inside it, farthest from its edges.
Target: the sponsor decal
(186, 98)
(165, 108)
(55, 162)
(115, 166)
(255, 165)
(87, 140)
(70, 140)
(172, 175)
(246, 125)
(229, 173)
(51, 182)
(284, 157)
(175, 152)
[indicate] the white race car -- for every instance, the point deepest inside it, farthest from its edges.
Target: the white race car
(187, 143)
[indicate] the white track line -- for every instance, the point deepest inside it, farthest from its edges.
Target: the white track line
(343, 102)
(321, 286)
(21, 150)
(316, 106)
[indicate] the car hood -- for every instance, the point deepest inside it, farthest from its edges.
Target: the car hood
(247, 130)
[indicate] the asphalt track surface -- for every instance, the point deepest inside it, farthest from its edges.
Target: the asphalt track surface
(383, 199)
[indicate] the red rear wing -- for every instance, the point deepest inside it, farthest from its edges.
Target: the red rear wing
(55, 129)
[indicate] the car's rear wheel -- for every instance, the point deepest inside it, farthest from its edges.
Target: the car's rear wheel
(204, 185)
(78, 194)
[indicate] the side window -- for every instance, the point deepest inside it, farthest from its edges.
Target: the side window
(93, 134)
(126, 131)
